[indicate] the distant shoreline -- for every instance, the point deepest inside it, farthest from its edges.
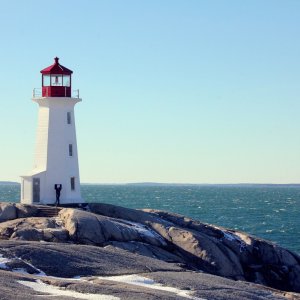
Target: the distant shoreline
(196, 184)
(181, 184)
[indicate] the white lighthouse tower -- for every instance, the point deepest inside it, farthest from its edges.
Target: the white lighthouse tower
(56, 157)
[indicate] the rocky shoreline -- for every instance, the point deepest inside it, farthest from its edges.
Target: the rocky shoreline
(122, 253)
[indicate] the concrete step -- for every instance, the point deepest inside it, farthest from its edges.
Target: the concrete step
(48, 212)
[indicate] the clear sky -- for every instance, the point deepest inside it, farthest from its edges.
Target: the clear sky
(186, 91)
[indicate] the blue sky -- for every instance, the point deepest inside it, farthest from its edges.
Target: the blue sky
(173, 91)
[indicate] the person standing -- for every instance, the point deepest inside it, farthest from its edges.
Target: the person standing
(58, 188)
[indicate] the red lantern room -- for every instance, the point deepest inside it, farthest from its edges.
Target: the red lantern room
(56, 80)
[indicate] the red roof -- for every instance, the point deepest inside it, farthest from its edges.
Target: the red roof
(56, 68)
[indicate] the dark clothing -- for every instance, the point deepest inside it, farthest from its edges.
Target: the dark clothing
(57, 188)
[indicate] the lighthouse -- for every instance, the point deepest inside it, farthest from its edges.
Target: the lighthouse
(55, 175)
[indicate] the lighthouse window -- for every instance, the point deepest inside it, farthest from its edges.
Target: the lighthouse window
(70, 150)
(72, 183)
(56, 80)
(68, 117)
(66, 80)
(46, 80)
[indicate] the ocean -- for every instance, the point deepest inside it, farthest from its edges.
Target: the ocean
(267, 211)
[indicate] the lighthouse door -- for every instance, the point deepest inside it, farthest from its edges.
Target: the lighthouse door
(36, 190)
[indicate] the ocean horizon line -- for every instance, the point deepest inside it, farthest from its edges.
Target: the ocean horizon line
(174, 183)
(190, 184)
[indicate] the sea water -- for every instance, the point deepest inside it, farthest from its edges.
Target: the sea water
(267, 211)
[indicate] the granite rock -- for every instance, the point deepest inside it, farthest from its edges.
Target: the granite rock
(7, 211)
(89, 228)
(154, 237)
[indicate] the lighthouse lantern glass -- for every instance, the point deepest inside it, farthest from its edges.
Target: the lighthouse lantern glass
(66, 80)
(56, 80)
(46, 80)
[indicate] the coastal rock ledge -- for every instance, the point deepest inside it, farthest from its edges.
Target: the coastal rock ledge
(177, 257)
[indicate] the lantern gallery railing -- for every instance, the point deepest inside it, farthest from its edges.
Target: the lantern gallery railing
(37, 93)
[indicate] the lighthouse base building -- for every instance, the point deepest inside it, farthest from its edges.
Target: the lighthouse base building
(55, 176)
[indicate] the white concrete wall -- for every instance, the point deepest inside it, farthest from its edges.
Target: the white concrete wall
(52, 163)
(26, 190)
(40, 158)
